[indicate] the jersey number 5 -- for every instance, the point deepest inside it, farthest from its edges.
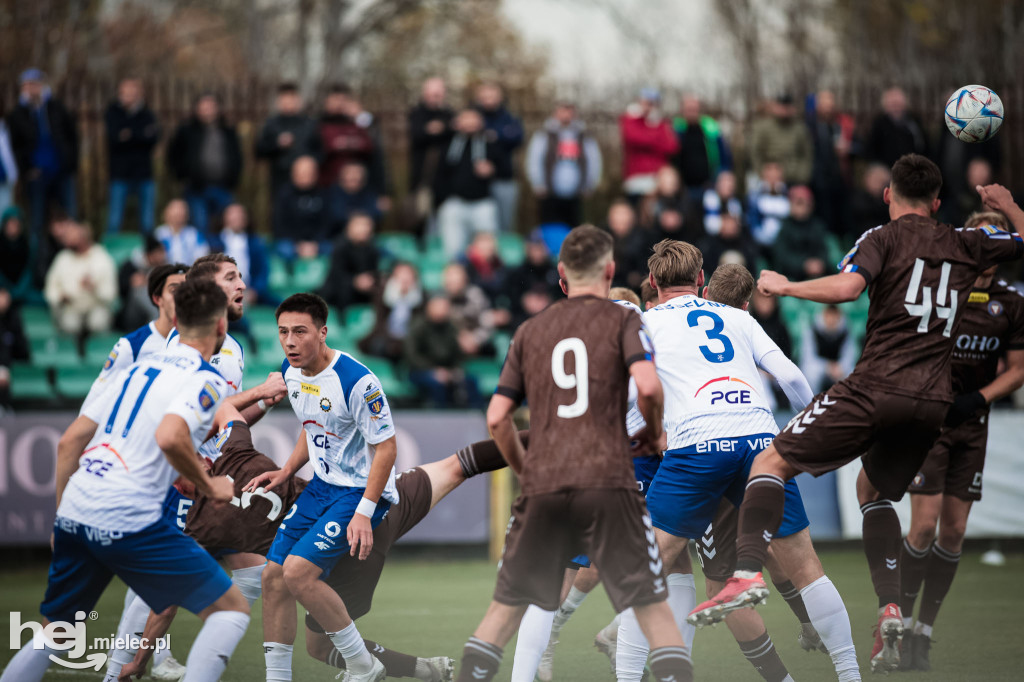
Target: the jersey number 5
(580, 380)
(924, 308)
(727, 352)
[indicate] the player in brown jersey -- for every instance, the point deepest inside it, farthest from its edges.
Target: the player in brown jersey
(890, 409)
(949, 481)
(250, 522)
(572, 364)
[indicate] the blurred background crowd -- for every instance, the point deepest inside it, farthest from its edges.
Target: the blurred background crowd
(429, 217)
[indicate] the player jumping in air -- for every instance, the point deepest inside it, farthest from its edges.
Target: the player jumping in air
(348, 436)
(949, 481)
(890, 410)
(572, 363)
(111, 484)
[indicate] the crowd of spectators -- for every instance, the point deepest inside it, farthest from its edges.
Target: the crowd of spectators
(807, 182)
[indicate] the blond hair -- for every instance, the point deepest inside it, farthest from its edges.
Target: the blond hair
(624, 294)
(585, 252)
(675, 264)
(731, 284)
(980, 218)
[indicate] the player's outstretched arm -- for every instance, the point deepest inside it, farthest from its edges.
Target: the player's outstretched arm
(650, 397)
(793, 382)
(839, 288)
(69, 450)
(269, 480)
(998, 198)
(156, 627)
(174, 438)
(503, 430)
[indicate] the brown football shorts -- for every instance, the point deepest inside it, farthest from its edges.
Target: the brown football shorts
(892, 433)
(611, 526)
(955, 464)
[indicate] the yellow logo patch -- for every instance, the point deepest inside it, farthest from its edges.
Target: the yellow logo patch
(311, 389)
(978, 297)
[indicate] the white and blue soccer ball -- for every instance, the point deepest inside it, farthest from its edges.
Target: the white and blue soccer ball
(974, 113)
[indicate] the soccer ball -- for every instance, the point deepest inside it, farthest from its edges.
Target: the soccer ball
(974, 113)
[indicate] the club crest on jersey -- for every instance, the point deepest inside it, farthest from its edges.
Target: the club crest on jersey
(311, 389)
(208, 397)
(995, 308)
(325, 404)
(918, 480)
(111, 359)
(374, 398)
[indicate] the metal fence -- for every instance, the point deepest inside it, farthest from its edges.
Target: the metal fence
(247, 104)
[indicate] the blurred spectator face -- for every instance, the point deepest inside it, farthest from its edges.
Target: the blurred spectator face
(469, 122)
(894, 102)
(621, 219)
(336, 104)
(304, 172)
(831, 317)
(565, 113)
(13, 228)
(876, 179)
(129, 93)
(289, 103)
(771, 173)
(359, 229)
(77, 237)
(725, 185)
(405, 275)
(979, 172)
(439, 310)
(57, 229)
(690, 109)
(454, 279)
(535, 301)
(236, 218)
(5, 300)
(33, 90)
(668, 181)
(764, 306)
(433, 93)
(801, 202)
(782, 108)
(730, 227)
(825, 104)
(488, 96)
(207, 109)
(484, 245)
(176, 214)
(537, 252)
(156, 256)
(352, 177)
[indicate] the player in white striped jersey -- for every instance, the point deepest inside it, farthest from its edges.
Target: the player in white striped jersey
(348, 437)
(110, 487)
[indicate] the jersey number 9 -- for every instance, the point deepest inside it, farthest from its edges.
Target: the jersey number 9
(579, 380)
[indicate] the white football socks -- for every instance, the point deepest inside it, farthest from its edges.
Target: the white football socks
(350, 643)
(631, 650)
(829, 617)
(682, 598)
(30, 664)
(279, 661)
(611, 631)
(249, 582)
(534, 634)
(565, 611)
(133, 622)
(214, 644)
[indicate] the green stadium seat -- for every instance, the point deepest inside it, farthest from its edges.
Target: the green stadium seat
(382, 368)
(399, 246)
(38, 322)
(396, 388)
(121, 246)
(501, 341)
(309, 273)
(279, 279)
(431, 278)
(97, 348)
(75, 382)
(433, 245)
(29, 382)
(57, 352)
(512, 249)
(261, 314)
(359, 320)
(486, 371)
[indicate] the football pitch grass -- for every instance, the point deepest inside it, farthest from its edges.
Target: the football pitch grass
(429, 608)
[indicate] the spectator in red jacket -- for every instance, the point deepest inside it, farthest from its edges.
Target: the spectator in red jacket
(647, 144)
(349, 134)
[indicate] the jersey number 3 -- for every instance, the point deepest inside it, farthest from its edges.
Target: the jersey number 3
(727, 352)
(579, 380)
(924, 308)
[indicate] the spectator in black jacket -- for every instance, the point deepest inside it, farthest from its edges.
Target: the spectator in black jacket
(631, 245)
(867, 205)
(537, 274)
(895, 131)
(355, 260)
(44, 139)
(463, 184)
(287, 135)
(429, 132)
(137, 307)
(765, 310)
(506, 132)
(13, 345)
(435, 358)
(349, 196)
(206, 156)
(801, 249)
(300, 214)
(132, 132)
(731, 245)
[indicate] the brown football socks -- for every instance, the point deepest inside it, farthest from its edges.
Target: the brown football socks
(793, 599)
(671, 664)
(761, 653)
(484, 456)
(480, 661)
(942, 565)
(913, 566)
(882, 542)
(760, 516)
(397, 664)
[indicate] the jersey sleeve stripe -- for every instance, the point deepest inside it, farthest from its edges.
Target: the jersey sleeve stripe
(639, 357)
(509, 393)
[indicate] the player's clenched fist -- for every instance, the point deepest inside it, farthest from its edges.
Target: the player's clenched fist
(772, 283)
(274, 388)
(360, 536)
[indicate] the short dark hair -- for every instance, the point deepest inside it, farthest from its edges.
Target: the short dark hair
(340, 89)
(198, 303)
(207, 267)
(731, 284)
(158, 277)
(647, 292)
(287, 88)
(308, 303)
(583, 249)
(915, 178)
